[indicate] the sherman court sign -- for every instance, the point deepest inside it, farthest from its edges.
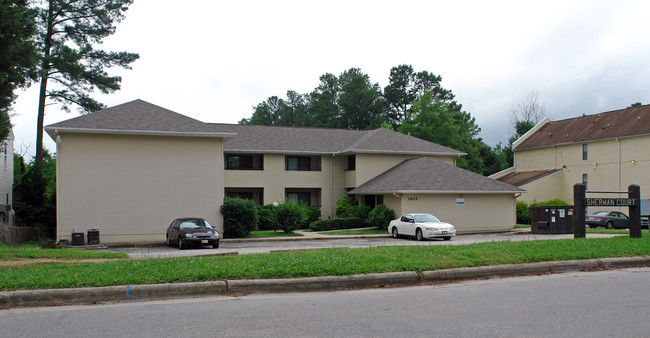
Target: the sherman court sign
(582, 203)
(610, 202)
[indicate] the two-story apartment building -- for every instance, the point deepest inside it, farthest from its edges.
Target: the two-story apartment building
(131, 169)
(606, 151)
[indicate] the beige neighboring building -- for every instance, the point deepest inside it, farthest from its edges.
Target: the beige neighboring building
(7, 172)
(130, 170)
(607, 151)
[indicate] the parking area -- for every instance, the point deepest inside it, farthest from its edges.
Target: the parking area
(244, 247)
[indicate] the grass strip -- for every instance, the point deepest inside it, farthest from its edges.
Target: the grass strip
(33, 251)
(271, 233)
(356, 232)
(322, 262)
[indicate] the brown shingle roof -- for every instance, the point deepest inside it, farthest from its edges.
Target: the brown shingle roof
(523, 177)
(134, 117)
(618, 123)
(427, 175)
(251, 138)
(140, 117)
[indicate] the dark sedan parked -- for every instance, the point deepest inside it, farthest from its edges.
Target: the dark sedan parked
(186, 232)
(608, 219)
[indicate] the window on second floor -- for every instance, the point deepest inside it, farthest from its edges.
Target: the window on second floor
(585, 180)
(352, 162)
(244, 161)
(585, 152)
(303, 163)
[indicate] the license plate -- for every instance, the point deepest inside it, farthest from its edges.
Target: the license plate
(444, 232)
(204, 241)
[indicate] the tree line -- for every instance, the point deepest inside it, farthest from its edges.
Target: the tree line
(413, 103)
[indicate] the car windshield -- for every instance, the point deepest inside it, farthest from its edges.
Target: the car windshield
(425, 218)
(195, 224)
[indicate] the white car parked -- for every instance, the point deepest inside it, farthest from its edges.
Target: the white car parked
(421, 226)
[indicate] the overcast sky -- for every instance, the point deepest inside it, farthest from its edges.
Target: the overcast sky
(215, 60)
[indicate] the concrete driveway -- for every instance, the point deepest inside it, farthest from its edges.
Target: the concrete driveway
(316, 241)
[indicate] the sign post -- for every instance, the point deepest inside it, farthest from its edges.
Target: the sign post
(634, 193)
(579, 230)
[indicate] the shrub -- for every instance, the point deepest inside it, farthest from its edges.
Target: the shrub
(362, 211)
(312, 214)
(523, 213)
(337, 224)
(290, 216)
(380, 216)
(549, 203)
(266, 217)
(346, 207)
(239, 217)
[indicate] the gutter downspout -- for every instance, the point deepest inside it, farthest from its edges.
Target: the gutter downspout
(619, 165)
(332, 203)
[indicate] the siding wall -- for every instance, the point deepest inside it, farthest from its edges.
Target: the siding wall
(480, 213)
(132, 187)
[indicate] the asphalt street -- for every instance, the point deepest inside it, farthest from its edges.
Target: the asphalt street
(243, 247)
(577, 304)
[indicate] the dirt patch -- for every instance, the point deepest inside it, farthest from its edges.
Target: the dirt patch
(50, 260)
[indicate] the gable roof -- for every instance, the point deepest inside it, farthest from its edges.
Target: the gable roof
(427, 175)
(136, 117)
(143, 118)
(524, 177)
(626, 122)
(275, 139)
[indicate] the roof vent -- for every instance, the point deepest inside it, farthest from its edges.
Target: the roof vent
(549, 134)
(567, 135)
(608, 125)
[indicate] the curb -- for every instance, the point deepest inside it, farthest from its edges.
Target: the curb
(93, 295)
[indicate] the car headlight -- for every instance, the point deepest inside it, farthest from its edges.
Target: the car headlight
(188, 236)
(216, 234)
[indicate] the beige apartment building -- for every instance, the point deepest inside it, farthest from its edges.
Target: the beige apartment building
(129, 170)
(606, 151)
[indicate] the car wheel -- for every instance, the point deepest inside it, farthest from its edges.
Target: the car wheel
(169, 243)
(418, 235)
(609, 225)
(180, 244)
(215, 245)
(395, 233)
(446, 238)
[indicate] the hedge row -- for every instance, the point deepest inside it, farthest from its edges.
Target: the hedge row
(337, 223)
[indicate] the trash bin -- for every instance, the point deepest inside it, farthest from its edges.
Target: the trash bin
(552, 219)
(93, 236)
(77, 238)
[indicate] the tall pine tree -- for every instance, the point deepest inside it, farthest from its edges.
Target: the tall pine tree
(68, 31)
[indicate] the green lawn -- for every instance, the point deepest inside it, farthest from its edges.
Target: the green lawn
(355, 232)
(324, 262)
(32, 251)
(271, 233)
